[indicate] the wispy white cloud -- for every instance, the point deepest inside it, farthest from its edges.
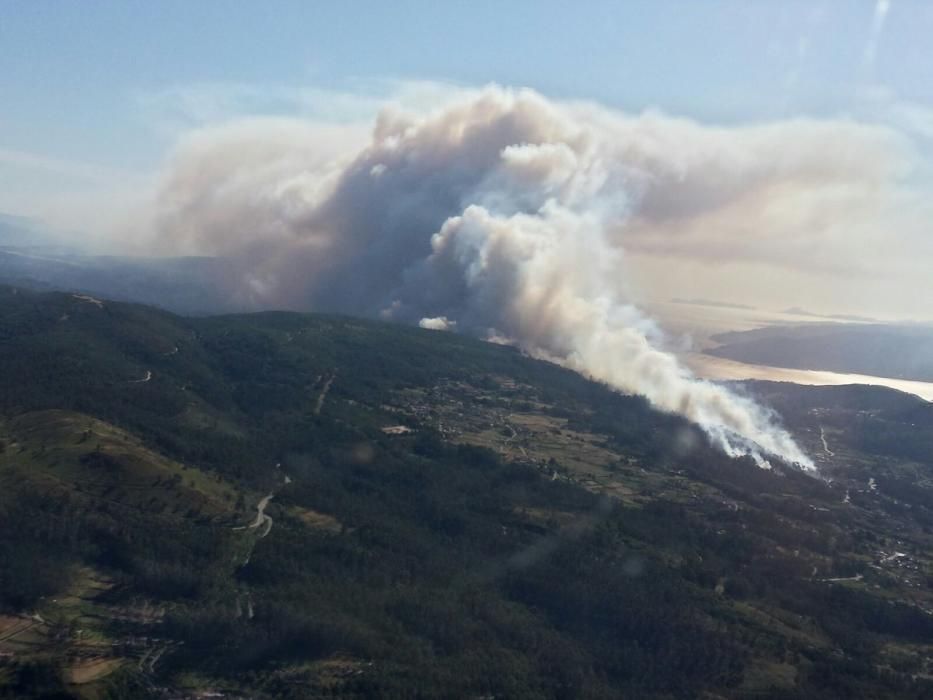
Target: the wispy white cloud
(882, 104)
(879, 17)
(178, 108)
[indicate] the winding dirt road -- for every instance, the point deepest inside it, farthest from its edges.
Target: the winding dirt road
(320, 399)
(825, 446)
(261, 517)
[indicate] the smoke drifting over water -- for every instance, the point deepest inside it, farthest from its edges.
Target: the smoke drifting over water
(503, 215)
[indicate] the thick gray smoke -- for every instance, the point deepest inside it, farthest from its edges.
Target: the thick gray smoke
(503, 215)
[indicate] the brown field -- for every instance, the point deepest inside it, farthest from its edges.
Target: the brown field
(316, 520)
(90, 670)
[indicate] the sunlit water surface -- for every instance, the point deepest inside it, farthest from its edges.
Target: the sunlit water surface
(692, 325)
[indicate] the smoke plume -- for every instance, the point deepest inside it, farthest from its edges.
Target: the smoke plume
(502, 215)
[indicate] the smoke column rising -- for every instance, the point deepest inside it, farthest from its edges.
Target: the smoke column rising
(501, 215)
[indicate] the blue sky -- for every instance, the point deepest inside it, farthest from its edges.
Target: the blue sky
(76, 75)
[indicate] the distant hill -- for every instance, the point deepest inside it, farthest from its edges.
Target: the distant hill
(899, 352)
(797, 311)
(184, 285)
(18, 230)
(710, 302)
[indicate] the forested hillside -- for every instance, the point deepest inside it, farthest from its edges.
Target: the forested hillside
(289, 505)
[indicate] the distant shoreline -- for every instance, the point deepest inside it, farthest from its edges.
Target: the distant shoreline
(718, 368)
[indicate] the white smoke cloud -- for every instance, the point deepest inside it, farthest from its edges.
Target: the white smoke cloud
(796, 193)
(507, 215)
(438, 323)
